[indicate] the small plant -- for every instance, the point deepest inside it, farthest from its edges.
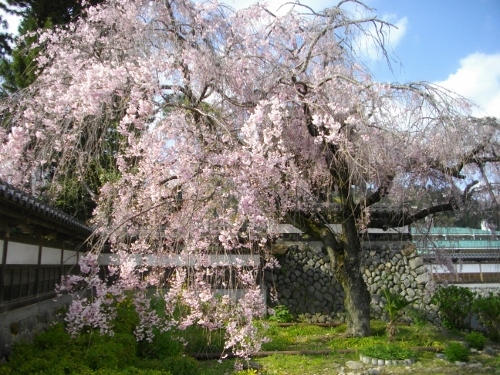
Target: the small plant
(391, 352)
(455, 306)
(417, 316)
(249, 371)
(475, 340)
(395, 305)
(163, 345)
(487, 310)
(181, 365)
(281, 315)
(456, 351)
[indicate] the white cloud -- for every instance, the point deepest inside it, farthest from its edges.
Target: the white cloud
(397, 34)
(391, 37)
(13, 22)
(478, 79)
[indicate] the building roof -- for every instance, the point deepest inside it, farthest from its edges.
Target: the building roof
(460, 244)
(452, 231)
(337, 228)
(20, 208)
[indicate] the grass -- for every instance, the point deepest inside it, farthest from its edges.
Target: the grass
(122, 355)
(309, 337)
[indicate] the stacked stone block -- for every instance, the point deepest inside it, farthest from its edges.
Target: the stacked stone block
(306, 285)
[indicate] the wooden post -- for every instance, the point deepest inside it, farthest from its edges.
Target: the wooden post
(4, 264)
(39, 277)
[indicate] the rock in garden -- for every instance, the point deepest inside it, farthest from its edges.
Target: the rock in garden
(251, 366)
(353, 365)
(488, 350)
(475, 365)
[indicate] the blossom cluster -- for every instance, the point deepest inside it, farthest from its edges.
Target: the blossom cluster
(207, 127)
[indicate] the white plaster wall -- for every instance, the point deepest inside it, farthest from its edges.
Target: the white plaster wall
(51, 255)
(70, 257)
(467, 268)
(106, 259)
(490, 267)
(20, 253)
(176, 260)
(220, 260)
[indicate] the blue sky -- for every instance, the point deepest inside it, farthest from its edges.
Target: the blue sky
(454, 43)
(439, 33)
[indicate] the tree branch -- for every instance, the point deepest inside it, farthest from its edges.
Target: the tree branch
(305, 224)
(376, 196)
(400, 218)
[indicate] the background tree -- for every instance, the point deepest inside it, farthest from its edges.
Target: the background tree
(480, 205)
(18, 69)
(17, 66)
(230, 122)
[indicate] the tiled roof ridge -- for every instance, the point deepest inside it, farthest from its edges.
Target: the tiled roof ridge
(15, 195)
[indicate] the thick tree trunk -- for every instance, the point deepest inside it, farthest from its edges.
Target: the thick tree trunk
(344, 250)
(356, 300)
(345, 253)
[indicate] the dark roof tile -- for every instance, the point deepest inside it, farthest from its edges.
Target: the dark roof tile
(12, 195)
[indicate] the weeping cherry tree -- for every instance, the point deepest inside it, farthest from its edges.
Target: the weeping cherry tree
(224, 124)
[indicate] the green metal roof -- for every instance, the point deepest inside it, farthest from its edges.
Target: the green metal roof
(451, 231)
(460, 244)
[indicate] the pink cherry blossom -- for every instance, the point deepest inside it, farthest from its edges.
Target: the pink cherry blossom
(218, 125)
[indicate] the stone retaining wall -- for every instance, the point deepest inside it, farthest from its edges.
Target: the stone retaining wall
(21, 325)
(306, 285)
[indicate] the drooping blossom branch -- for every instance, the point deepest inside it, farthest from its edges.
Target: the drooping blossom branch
(205, 127)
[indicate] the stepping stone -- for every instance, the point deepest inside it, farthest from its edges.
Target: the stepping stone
(353, 365)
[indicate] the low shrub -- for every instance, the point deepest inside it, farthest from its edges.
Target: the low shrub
(162, 346)
(179, 365)
(116, 352)
(54, 352)
(46, 355)
(128, 371)
(281, 315)
(391, 351)
(475, 340)
(454, 305)
(418, 317)
(202, 340)
(127, 319)
(54, 337)
(487, 310)
(44, 363)
(456, 351)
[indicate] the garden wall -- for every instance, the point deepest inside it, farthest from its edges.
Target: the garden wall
(306, 285)
(22, 324)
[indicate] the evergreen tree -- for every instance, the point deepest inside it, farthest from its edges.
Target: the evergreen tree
(17, 66)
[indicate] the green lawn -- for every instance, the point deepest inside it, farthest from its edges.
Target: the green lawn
(310, 338)
(54, 352)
